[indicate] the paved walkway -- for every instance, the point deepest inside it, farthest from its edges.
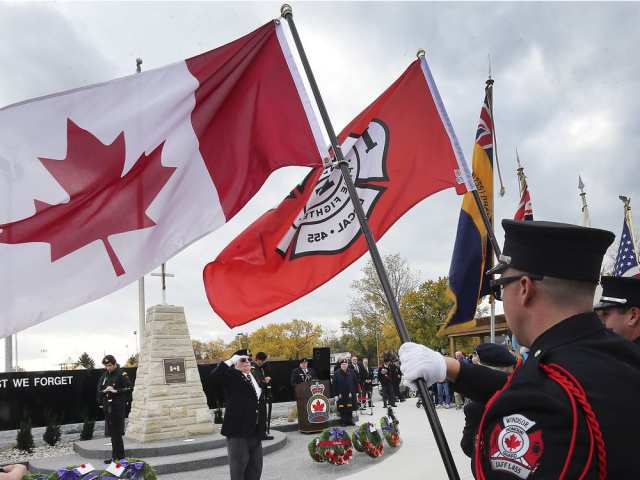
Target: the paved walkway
(418, 457)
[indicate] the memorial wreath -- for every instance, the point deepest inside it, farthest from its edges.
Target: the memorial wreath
(129, 469)
(313, 450)
(332, 446)
(390, 430)
(367, 439)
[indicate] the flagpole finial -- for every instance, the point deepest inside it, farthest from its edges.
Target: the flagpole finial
(518, 159)
(489, 58)
(626, 201)
(138, 65)
(420, 53)
(580, 184)
(285, 10)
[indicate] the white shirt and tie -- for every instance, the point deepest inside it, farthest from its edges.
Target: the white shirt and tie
(251, 379)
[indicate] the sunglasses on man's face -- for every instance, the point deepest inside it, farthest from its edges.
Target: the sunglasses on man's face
(497, 285)
(108, 364)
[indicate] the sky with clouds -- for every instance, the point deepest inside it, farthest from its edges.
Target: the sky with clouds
(566, 95)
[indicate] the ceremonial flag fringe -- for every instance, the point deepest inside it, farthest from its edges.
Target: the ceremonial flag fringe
(106, 182)
(627, 258)
(400, 149)
(472, 252)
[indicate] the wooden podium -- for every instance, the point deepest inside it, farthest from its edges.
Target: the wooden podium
(313, 405)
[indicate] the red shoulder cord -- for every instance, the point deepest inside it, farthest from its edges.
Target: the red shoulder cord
(575, 392)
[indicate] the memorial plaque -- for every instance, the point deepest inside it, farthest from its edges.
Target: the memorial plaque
(174, 371)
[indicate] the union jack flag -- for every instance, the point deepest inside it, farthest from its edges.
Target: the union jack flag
(525, 210)
(627, 259)
(484, 134)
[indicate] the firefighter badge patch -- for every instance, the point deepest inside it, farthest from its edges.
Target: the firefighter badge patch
(514, 448)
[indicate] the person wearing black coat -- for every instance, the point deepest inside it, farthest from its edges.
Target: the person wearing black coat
(345, 388)
(367, 378)
(385, 377)
(302, 373)
(113, 391)
(261, 370)
(244, 416)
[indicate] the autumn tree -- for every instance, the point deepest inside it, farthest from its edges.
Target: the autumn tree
(213, 350)
(132, 361)
(86, 361)
(425, 311)
(371, 322)
(290, 340)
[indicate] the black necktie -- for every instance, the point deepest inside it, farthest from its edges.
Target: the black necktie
(248, 380)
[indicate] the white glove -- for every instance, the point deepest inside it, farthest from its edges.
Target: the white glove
(232, 361)
(418, 361)
(110, 389)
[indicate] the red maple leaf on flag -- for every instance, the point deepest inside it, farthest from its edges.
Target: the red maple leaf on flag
(512, 442)
(318, 406)
(101, 201)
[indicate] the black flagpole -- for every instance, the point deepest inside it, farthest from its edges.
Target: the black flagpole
(434, 421)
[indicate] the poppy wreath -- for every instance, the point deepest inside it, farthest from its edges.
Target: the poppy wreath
(357, 444)
(390, 431)
(369, 438)
(134, 469)
(313, 450)
(334, 446)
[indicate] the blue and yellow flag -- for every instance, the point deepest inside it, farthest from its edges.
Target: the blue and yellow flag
(472, 253)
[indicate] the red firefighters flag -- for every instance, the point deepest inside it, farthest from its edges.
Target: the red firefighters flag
(400, 150)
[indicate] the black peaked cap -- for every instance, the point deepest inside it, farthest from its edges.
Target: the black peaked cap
(619, 292)
(559, 250)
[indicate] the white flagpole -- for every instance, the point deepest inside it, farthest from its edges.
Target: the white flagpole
(8, 353)
(141, 300)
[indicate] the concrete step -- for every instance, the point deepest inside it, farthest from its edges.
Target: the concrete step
(180, 462)
(100, 448)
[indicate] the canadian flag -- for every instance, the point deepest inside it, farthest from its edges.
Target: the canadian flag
(100, 185)
(400, 149)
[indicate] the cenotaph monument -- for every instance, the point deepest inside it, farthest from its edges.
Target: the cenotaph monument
(168, 399)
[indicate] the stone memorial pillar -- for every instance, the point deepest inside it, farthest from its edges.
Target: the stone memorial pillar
(168, 399)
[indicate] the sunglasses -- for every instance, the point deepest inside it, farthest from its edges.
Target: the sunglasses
(244, 359)
(497, 285)
(108, 364)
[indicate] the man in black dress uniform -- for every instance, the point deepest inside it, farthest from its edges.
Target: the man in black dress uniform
(244, 416)
(619, 307)
(490, 355)
(303, 373)
(113, 392)
(566, 411)
(262, 373)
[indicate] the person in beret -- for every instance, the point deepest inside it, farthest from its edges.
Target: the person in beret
(302, 373)
(493, 356)
(565, 412)
(619, 307)
(245, 415)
